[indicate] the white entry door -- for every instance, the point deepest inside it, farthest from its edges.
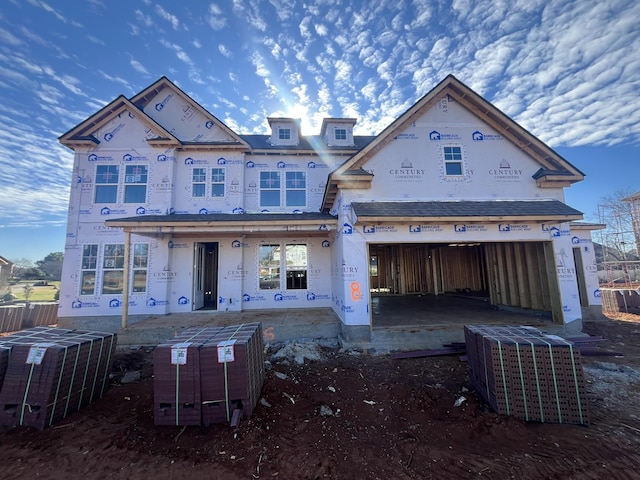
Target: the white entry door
(198, 275)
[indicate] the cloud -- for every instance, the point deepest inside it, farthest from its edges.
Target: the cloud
(250, 13)
(138, 67)
(172, 19)
(224, 50)
(215, 18)
(9, 38)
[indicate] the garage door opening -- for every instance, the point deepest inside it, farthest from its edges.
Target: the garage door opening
(427, 283)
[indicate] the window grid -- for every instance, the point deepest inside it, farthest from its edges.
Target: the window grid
(296, 189)
(88, 268)
(284, 134)
(217, 182)
(453, 161)
(106, 184)
(140, 265)
(135, 184)
(199, 182)
(341, 134)
(112, 269)
(270, 189)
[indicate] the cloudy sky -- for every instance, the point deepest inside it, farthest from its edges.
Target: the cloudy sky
(567, 70)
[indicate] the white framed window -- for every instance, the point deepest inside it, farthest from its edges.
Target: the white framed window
(296, 189)
(296, 266)
(284, 134)
(112, 269)
(135, 184)
(199, 182)
(293, 263)
(453, 166)
(106, 184)
(340, 133)
(140, 265)
(270, 189)
(217, 182)
(88, 269)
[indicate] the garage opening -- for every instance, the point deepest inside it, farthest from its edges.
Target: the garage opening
(416, 283)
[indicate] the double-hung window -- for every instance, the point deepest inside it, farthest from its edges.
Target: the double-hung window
(296, 189)
(293, 263)
(112, 269)
(296, 266)
(135, 184)
(217, 182)
(140, 265)
(199, 182)
(453, 161)
(106, 184)
(270, 189)
(89, 266)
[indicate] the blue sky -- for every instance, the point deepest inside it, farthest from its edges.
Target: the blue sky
(567, 70)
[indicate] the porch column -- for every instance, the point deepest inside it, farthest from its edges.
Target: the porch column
(125, 280)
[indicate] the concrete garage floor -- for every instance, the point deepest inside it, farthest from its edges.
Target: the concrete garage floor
(410, 322)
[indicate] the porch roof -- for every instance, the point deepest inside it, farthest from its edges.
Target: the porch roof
(469, 211)
(191, 223)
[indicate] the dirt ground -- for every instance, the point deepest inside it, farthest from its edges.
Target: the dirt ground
(348, 415)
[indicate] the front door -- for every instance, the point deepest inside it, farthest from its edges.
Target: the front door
(199, 258)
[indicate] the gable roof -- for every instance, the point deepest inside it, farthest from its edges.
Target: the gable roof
(143, 98)
(83, 133)
(555, 171)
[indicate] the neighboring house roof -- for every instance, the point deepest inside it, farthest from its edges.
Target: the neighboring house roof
(555, 170)
(587, 226)
(83, 133)
(631, 198)
(472, 211)
(4, 261)
(227, 222)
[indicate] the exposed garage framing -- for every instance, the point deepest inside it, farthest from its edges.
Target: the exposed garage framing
(510, 274)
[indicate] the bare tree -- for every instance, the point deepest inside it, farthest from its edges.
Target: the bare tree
(618, 239)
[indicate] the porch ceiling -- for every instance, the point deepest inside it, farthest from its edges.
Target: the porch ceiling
(246, 223)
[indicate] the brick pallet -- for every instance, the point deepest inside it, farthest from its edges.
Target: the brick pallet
(205, 374)
(52, 373)
(521, 372)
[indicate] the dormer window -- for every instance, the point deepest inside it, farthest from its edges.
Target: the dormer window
(284, 134)
(340, 133)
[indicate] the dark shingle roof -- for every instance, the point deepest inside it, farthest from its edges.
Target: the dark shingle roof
(489, 208)
(260, 142)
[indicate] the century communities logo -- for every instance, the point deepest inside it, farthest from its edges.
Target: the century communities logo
(406, 172)
(504, 172)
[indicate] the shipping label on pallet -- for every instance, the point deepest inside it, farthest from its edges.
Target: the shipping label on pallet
(36, 353)
(179, 353)
(226, 352)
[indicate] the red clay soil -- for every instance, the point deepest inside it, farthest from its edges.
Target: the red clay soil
(348, 416)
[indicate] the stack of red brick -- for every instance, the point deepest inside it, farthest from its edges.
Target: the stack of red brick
(203, 375)
(48, 373)
(521, 372)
